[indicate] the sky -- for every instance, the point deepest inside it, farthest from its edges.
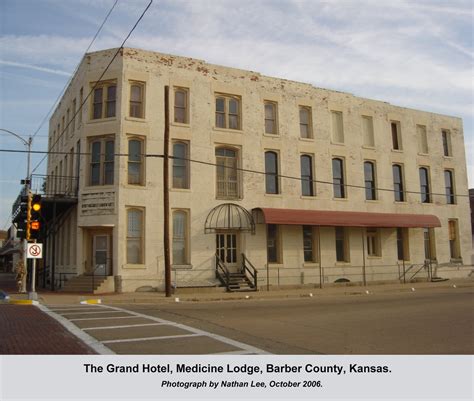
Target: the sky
(411, 54)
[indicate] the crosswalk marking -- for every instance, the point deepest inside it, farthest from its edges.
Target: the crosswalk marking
(128, 340)
(122, 327)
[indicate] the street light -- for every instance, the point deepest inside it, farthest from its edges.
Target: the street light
(27, 143)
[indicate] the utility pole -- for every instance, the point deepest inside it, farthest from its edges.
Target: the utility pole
(166, 199)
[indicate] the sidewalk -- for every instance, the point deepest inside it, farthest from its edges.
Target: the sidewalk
(214, 295)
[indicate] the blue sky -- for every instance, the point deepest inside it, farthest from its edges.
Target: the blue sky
(413, 54)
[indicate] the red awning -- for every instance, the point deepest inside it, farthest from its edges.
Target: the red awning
(330, 218)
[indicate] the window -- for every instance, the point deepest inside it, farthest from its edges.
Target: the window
(102, 162)
(181, 108)
(310, 244)
(449, 187)
(373, 242)
(369, 177)
(273, 234)
(402, 244)
(368, 131)
(337, 127)
(135, 161)
(429, 243)
(422, 139)
(396, 135)
(135, 236)
(227, 184)
(425, 185)
(338, 178)
(446, 136)
(68, 121)
(398, 190)
(81, 100)
(306, 130)
(103, 101)
(454, 239)
(74, 105)
(180, 165)
(136, 100)
(342, 245)
(228, 114)
(271, 173)
(307, 183)
(180, 237)
(271, 124)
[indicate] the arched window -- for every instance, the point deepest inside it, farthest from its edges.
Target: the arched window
(305, 122)
(180, 237)
(307, 183)
(271, 173)
(369, 177)
(227, 178)
(135, 161)
(180, 165)
(136, 100)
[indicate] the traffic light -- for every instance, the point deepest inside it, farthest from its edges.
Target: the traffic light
(21, 217)
(35, 215)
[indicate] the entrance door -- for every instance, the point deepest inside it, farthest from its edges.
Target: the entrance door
(101, 254)
(227, 249)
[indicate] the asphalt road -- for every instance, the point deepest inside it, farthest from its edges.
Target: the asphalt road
(435, 321)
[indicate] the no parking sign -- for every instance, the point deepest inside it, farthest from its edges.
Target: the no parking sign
(34, 251)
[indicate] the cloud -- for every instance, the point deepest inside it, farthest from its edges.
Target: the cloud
(35, 67)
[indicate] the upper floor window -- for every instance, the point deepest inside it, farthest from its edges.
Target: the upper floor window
(446, 136)
(449, 187)
(338, 178)
(369, 178)
(134, 236)
(181, 106)
(81, 100)
(337, 127)
(136, 100)
(306, 130)
(271, 173)
(227, 177)
(104, 100)
(307, 183)
(398, 183)
(368, 131)
(228, 112)
(422, 139)
(180, 165)
(425, 185)
(74, 105)
(271, 123)
(396, 135)
(135, 161)
(102, 161)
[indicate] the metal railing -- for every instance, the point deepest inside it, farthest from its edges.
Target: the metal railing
(54, 185)
(64, 278)
(222, 273)
(248, 267)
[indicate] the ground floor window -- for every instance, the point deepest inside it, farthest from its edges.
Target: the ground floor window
(134, 236)
(180, 237)
(429, 243)
(402, 244)
(373, 242)
(310, 244)
(273, 255)
(342, 245)
(454, 239)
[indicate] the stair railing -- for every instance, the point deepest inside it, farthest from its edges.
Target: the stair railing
(222, 273)
(248, 267)
(105, 274)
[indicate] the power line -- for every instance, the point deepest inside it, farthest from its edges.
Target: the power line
(244, 170)
(65, 129)
(75, 70)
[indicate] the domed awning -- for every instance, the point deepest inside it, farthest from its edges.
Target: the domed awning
(229, 217)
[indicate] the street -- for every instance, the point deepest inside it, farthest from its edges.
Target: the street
(435, 321)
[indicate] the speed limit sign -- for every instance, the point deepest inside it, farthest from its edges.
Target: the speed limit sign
(34, 251)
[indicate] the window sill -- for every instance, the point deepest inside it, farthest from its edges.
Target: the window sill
(368, 147)
(274, 195)
(423, 154)
(186, 190)
(340, 199)
(271, 135)
(427, 203)
(397, 150)
(101, 120)
(102, 187)
(374, 257)
(134, 186)
(372, 200)
(310, 264)
(229, 130)
(338, 143)
(455, 260)
(181, 267)
(306, 139)
(400, 202)
(274, 265)
(311, 197)
(134, 266)
(448, 157)
(228, 198)
(135, 119)
(342, 264)
(181, 125)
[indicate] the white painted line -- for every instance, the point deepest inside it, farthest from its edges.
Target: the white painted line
(123, 326)
(103, 318)
(86, 338)
(238, 352)
(225, 340)
(129, 340)
(91, 313)
(72, 309)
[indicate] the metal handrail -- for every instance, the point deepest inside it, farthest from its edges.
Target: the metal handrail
(246, 263)
(62, 276)
(223, 275)
(106, 274)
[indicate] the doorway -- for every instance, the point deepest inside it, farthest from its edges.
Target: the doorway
(227, 248)
(101, 256)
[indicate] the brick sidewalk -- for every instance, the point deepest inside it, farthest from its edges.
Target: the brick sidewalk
(24, 329)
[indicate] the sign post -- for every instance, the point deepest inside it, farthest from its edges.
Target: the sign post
(34, 251)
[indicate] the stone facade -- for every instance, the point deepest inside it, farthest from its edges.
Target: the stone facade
(333, 125)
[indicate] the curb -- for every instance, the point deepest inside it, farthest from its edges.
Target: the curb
(91, 302)
(23, 302)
